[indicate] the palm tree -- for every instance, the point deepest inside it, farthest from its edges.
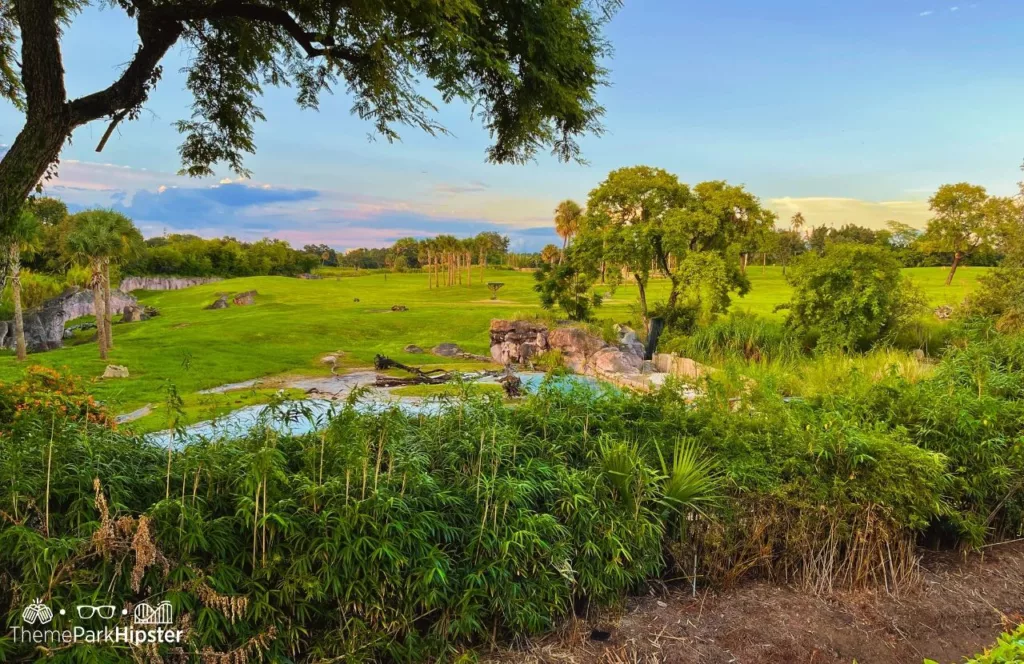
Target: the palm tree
(127, 241)
(98, 236)
(798, 221)
(550, 253)
(567, 221)
(24, 231)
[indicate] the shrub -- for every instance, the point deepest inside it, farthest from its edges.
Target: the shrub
(851, 296)
(568, 287)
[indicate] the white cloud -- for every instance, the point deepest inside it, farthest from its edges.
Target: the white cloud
(953, 9)
(927, 13)
(828, 211)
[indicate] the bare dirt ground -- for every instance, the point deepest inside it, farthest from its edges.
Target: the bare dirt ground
(961, 605)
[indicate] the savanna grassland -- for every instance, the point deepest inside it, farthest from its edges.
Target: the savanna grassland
(295, 322)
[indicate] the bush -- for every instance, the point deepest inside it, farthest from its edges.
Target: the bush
(851, 296)
(568, 287)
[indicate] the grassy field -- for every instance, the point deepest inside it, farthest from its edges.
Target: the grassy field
(295, 322)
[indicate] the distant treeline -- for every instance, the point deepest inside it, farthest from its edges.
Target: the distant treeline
(193, 256)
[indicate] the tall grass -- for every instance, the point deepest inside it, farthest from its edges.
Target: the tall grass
(738, 335)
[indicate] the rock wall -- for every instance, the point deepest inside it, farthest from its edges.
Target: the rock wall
(129, 284)
(44, 325)
(517, 342)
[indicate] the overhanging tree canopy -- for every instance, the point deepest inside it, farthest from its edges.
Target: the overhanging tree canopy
(530, 69)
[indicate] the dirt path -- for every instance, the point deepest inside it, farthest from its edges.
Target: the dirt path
(959, 609)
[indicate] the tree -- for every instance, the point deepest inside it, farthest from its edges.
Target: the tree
(850, 296)
(962, 222)
(567, 285)
(97, 237)
(642, 220)
(550, 254)
(567, 221)
(532, 69)
(623, 223)
(1000, 295)
(797, 222)
(788, 245)
(21, 236)
(489, 243)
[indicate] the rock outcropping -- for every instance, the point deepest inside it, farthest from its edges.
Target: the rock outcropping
(517, 342)
(44, 325)
(129, 284)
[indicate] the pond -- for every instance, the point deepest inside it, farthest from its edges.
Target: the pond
(303, 416)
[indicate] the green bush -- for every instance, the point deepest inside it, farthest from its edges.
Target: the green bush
(851, 296)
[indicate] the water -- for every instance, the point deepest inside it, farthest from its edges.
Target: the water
(300, 417)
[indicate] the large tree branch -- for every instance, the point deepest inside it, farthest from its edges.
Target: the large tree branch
(131, 89)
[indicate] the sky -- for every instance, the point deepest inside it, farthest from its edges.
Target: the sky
(850, 112)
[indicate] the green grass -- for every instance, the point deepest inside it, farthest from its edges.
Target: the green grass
(295, 322)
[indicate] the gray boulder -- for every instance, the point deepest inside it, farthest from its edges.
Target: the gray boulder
(447, 350)
(44, 325)
(413, 349)
(220, 303)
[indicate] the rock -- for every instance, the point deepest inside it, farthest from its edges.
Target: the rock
(399, 307)
(944, 312)
(447, 350)
(129, 284)
(612, 360)
(70, 331)
(44, 325)
(516, 341)
(133, 314)
(682, 367)
(115, 371)
(413, 349)
(628, 340)
(220, 303)
(574, 341)
(918, 354)
(244, 299)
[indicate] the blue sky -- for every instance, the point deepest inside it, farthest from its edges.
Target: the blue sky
(847, 111)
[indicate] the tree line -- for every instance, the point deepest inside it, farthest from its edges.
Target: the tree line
(642, 223)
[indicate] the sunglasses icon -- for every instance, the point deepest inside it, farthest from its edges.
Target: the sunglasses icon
(106, 612)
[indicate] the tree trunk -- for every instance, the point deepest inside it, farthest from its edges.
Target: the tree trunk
(956, 261)
(743, 263)
(20, 346)
(108, 319)
(97, 307)
(643, 295)
(764, 261)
